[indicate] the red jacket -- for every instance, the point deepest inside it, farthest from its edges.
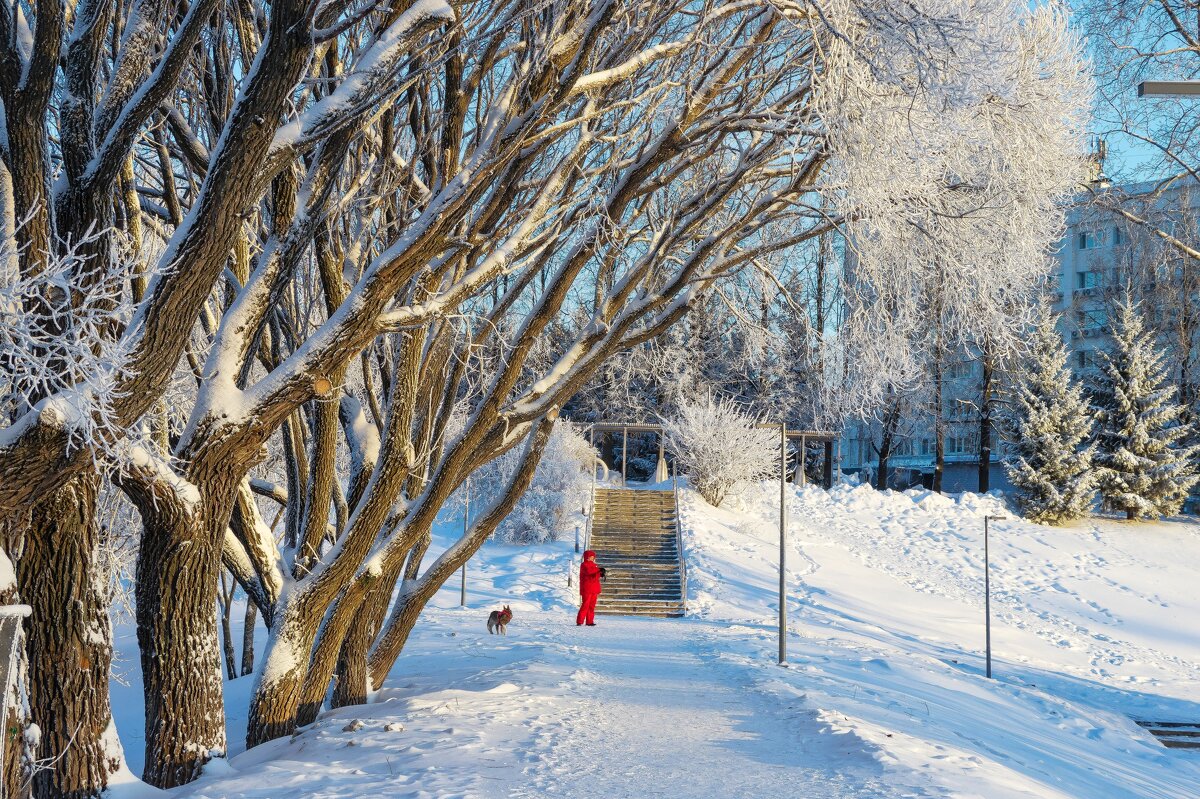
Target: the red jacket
(589, 576)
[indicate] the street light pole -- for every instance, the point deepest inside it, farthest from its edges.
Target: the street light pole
(1168, 88)
(462, 599)
(987, 592)
(782, 544)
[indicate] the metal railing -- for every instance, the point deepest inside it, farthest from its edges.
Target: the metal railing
(591, 516)
(683, 592)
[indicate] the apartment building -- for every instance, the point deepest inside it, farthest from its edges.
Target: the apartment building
(1101, 255)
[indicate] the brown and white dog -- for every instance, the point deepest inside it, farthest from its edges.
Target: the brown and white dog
(498, 621)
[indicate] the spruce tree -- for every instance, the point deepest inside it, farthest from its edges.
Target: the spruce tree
(1145, 469)
(1052, 469)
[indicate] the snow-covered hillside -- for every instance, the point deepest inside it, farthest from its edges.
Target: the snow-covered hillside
(883, 696)
(1093, 627)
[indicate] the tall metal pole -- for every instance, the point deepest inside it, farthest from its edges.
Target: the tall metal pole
(987, 589)
(987, 597)
(462, 599)
(782, 544)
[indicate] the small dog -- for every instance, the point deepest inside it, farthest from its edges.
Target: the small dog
(498, 621)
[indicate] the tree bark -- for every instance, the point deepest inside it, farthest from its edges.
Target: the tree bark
(985, 427)
(248, 639)
(939, 422)
(17, 764)
(353, 681)
(177, 571)
(69, 643)
(285, 665)
(885, 444)
(226, 605)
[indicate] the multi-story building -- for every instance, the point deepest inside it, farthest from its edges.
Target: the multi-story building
(1102, 256)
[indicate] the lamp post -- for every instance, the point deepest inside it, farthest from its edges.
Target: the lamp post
(1168, 88)
(462, 599)
(782, 544)
(987, 592)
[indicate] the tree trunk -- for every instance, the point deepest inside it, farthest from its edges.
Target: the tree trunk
(891, 421)
(939, 423)
(279, 691)
(985, 427)
(226, 630)
(352, 680)
(17, 764)
(177, 570)
(248, 639)
(69, 643)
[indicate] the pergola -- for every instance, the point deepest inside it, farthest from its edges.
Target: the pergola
(830, 439)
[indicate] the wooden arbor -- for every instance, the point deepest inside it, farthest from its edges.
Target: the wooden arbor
(830, 440)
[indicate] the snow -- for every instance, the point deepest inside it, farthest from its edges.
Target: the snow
(8, 575)
(883, 695)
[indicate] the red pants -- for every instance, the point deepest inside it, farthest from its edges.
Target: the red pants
(587, 611)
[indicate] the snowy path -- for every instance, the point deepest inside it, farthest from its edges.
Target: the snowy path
(654, 714)
(884, 696)
(630, 708)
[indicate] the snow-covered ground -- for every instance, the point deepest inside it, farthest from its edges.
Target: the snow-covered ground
(883, 695)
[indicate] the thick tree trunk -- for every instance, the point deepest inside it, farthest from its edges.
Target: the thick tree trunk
(280, 687)
(353, 686)
(69, 643)
(400, 626)
(178, 565)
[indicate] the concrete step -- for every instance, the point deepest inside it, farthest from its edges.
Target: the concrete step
(672, 610)
(624, 563)
(642, 591)
(634, 534)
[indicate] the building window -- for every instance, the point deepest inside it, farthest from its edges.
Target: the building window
(1092, 318)
(1087, 280)
(1086, 358)
(959, 444)
(1091, 239)
(1117, 236)
(960, 371)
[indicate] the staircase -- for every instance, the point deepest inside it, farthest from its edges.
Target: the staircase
(635, 538)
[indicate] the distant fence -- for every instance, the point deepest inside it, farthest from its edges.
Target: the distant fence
(828, 439)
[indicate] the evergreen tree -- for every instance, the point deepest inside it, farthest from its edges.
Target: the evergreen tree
(1145, 470)
(1052, 470)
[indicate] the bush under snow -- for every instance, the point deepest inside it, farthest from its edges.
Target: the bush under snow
(559, 489)
(720, 447)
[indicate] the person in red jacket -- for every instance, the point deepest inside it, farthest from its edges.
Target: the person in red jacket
(589, 589)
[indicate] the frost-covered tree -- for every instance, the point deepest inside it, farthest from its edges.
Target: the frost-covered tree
(720, 446)
(1144, 471)
(556, 494)
(348, 218)
(938, 206)
(1051, 425)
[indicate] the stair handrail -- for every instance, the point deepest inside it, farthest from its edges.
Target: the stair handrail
(587, 533)
(683, 593)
